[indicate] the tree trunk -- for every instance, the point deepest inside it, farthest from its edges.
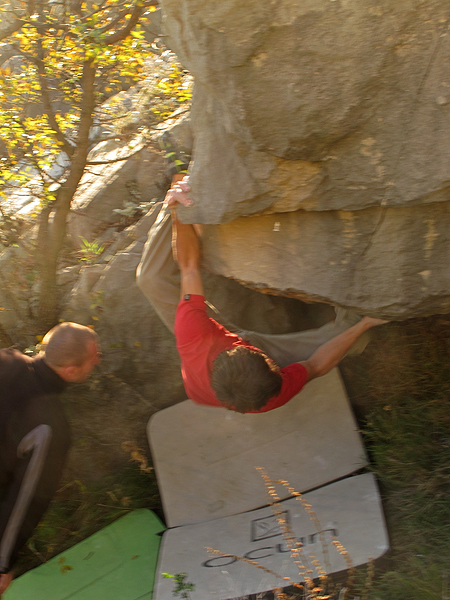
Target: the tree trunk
(52, 232)
(48, 299)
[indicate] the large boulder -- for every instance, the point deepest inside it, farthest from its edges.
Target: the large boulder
(337, 113)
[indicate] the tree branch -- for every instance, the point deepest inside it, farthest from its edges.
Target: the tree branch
(114, 22)
(48, 108)
(78, 160)
(33, 159)
(101, 7)
(133, 20)
(45, 95)
(18, 23)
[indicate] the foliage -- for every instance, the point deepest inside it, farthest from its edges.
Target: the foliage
(90, 252)
(182, 587)
(170, 86)
(62, 65)
(47, 72)
(164, 89)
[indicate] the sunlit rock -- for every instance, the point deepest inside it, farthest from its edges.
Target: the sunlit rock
(338, 113)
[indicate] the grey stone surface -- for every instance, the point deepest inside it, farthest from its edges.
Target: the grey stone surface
(206, 467)
(349, 511)
(107, 187)
(320, 107)
(177, 131)
(386, 262)
(136, 345)
(266, 69)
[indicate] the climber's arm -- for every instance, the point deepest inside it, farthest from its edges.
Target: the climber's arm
(185, 241)
(186, 251)
(332, 352)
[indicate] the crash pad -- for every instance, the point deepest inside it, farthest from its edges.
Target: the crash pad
(205, 457)
(117, 563)
(348, 511)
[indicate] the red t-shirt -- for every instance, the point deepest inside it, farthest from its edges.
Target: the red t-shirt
(200, 340)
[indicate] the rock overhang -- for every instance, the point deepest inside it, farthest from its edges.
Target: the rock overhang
(333, 116)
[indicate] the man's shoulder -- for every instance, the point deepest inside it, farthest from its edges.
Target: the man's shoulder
(11, 354)
(12, 362)
(191, 302)
(191, 316)
(194, 328)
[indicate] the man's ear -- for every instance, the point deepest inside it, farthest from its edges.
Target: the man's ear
(69, 373)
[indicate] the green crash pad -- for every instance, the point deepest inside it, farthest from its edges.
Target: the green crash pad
(116, 563)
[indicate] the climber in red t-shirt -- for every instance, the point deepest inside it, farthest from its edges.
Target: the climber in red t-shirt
(220, 368)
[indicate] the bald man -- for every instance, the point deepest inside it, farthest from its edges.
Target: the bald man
(34, 432)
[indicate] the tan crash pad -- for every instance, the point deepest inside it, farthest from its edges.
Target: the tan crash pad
(206, 457)
(348, 510)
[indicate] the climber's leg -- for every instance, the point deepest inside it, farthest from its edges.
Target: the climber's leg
(158, 275)
(287, 348)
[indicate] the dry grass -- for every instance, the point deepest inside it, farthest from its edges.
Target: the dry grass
(316, 583)
(401, 390)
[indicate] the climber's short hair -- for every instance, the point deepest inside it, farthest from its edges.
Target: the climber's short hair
(244, 379)
(67, 344)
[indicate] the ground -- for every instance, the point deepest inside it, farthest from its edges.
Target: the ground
(400, 391)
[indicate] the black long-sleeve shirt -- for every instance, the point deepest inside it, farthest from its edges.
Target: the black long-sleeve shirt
(29, 391)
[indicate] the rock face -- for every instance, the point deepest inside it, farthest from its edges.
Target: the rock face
(366, 260)
(107, 188)
(336, 112)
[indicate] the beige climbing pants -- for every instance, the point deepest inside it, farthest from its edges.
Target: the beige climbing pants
(158, 277)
